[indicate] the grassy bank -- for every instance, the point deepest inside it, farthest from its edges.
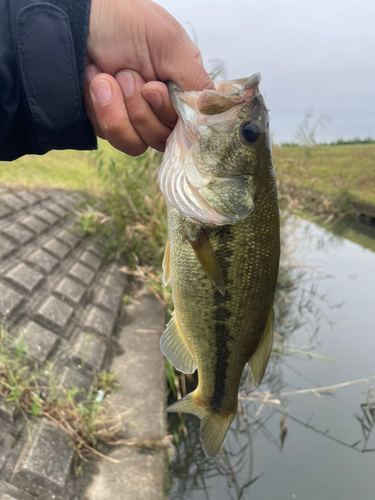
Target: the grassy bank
(330, 170)
(327, 169)
(60, 169)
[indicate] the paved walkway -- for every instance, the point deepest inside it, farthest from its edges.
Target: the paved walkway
(61, 297)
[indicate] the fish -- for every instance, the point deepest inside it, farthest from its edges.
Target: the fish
(222, 255)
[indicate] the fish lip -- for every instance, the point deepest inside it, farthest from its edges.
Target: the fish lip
(235, 92)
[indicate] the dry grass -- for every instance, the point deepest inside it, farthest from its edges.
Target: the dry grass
(35, 392)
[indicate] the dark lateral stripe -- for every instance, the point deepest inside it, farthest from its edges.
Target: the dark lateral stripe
(222, 313)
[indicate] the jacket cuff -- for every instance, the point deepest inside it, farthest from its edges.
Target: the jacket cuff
(50, 42)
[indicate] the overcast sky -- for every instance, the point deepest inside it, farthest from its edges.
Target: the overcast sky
(312, 54)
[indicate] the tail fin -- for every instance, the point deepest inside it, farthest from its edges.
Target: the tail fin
(214, 426)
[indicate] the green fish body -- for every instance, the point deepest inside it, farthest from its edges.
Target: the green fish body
(224, 243)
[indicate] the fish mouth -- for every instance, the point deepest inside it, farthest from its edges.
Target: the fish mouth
(227, 95)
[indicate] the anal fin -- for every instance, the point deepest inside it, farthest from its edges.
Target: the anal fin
(208, 259)
(175, 348)
(259, 360)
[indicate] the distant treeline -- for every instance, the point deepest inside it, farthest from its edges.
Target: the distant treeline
(340, 142)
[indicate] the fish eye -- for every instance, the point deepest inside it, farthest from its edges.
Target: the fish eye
(251, 131)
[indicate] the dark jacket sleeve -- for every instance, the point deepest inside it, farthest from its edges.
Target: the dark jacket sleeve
(42, 62)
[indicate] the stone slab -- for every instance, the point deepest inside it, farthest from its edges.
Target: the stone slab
(69, 291)
(22, 438)
(107, 300)
(90, 260)
(29, 198)
(56, 248)
(55, 208)
(81, 273)
(139, 476)
(13, 201)
(45, 466)
(114, 282)
(139, 341)
(91, 248)
(33, 224)
(99, 322)
(6, 248)
(63, 200)
(43, 261)
(10, 492)
(42, 193)
(4, 211)
(7, 410)
(74, 379)
(6, 444)
(54, 314)
(68, 238)
(40, 343)
(10, 301)
(88, 352)
(24, 278)
(45, 215)
(17, 234)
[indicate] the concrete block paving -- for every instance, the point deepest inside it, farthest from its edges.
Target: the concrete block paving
(61, 298)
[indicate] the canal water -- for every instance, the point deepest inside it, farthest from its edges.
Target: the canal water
(290, 444)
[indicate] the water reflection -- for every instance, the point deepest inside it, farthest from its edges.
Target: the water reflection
(286, 422)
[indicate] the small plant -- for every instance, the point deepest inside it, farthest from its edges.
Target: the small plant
(36, 393)
(90, 219)
(305, 135)
(344, 203)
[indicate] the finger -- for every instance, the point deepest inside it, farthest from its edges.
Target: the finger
(176, 57)
(112, 116)
(143, 119)
(91, 71)
(157, 95)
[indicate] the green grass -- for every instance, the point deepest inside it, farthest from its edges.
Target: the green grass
(329, 169)
(59, 169)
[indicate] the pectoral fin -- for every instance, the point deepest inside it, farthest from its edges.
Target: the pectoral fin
(208, 259)
(258, 361)
(175, 348)
(166, 263)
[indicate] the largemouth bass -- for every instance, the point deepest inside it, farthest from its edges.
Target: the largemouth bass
(222, 258)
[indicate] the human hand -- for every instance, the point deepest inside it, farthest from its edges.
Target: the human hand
(142, 37)
(131, 119)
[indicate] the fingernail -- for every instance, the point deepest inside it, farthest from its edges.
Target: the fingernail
(154, 98)
(90, 72)
(126, 82)
(102, 91)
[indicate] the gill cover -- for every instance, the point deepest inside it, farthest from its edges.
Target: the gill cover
(210, 193)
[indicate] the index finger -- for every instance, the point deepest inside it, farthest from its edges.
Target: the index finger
(177, 58)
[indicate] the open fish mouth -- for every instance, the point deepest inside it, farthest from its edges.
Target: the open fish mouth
(195, 191)
(227, 94)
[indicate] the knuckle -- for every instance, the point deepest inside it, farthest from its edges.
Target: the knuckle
(203, 80)
(138, 116)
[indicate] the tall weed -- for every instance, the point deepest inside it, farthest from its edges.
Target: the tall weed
(136, 207)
